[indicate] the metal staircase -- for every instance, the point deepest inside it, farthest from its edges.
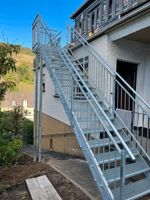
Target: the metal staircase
(115, 154)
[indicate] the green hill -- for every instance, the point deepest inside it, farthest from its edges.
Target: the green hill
(24, 76)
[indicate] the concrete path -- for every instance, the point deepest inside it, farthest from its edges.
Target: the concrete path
(78, 171)
(75, 168)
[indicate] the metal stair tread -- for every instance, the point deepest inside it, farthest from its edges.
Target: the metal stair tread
(99, 130)
(87, 110)
(62, 74)
(132, 169)
(90, 119)
(58, 68)
(106, 141)
(113, 155)
(76, 109)
(87, 120)
(57, 63)
(134, 190)
(67, 79)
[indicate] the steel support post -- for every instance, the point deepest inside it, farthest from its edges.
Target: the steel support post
(35, 109)
(40, 113)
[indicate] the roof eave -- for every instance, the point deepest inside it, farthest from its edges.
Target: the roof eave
(75, 14)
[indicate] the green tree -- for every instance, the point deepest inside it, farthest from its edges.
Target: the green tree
(7, 64)
(11, 123)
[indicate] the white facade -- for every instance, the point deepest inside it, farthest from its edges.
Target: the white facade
(52, 105)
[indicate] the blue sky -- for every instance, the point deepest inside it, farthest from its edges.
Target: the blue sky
(16, 17)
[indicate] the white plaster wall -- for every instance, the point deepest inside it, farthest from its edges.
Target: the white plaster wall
(131, 51)
(147, 77)
(51, 105)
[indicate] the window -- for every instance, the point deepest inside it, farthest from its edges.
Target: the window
(43, 87)
(25, 103)
(43, 83)
(51, 144)
(13, 104)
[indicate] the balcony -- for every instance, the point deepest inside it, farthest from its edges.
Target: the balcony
(94, 17)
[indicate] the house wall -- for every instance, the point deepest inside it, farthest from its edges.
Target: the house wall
(57, 134)
(130, 51)
(61, 136)
(51, 105)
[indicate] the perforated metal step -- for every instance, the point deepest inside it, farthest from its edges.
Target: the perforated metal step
(111, 156)
(134, 190)
(107, 141)
(132, 169)
(100, 129)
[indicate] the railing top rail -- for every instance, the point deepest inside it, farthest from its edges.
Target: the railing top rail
(124, 8)
(35, 19)
(44, 24)
(98, 56)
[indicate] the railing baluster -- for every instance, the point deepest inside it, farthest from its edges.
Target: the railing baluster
(122, 174)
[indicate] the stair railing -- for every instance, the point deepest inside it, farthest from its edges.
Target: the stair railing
(41, 34)
(117, 94)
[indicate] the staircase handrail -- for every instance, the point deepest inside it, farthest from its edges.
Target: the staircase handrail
(110, 69)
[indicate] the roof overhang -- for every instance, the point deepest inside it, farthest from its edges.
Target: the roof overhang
(85, 5)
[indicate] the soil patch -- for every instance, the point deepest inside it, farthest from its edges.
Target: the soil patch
(13, 186)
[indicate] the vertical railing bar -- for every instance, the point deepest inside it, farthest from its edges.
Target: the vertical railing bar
(122, 172)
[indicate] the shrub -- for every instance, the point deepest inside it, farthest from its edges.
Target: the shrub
(9, 151)
(27, 131)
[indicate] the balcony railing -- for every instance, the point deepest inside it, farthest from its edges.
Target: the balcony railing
(100, 14)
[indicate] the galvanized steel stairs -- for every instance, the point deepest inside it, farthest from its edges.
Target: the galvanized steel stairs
(117, 166)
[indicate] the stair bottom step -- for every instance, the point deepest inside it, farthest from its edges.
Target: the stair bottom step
(134, 190)
(132, 169)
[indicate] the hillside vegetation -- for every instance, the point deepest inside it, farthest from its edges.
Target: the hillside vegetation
(24, 76)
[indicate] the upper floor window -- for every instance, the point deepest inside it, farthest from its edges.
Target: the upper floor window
(43, 83)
